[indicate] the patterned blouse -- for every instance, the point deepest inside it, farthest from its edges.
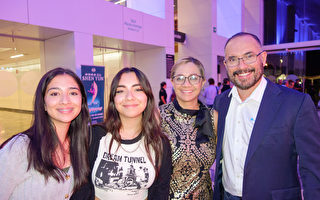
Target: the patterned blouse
(193, 142)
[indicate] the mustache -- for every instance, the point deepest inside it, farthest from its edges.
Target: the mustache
(240, 71)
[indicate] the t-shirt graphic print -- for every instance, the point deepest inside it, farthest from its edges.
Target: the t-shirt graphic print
(124, 173)
(110, 175)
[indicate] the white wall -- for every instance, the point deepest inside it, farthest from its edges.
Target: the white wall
(252, 18)
(194, 19)
(170, 27)
(95, 17)
(70, 51)
(233, 16)
(16, 11)
(85, 18)
(152, 7)
(59, 52)
(218, 42)
(197, 19)
(228, 17)
(151, 62)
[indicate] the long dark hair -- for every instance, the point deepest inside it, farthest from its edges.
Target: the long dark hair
(150, 118)
(44, 140)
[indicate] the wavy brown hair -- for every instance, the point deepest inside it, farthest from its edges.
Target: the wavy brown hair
(150, 118)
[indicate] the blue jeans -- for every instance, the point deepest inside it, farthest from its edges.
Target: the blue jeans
(228, 196)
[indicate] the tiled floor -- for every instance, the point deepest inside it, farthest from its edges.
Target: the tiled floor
(12, 123)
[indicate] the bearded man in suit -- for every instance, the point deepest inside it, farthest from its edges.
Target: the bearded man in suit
(264, 131)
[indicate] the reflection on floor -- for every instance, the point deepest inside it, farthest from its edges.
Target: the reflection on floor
(12, 123)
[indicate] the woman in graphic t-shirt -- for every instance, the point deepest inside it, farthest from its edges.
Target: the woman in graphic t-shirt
(129, 156)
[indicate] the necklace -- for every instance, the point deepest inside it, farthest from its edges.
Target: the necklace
(135, 149)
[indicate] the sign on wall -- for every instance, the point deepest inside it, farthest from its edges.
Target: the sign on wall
(179, 37)
(92, 78)
(133, 26)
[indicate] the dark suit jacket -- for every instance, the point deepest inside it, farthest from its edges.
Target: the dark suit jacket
(287, 126)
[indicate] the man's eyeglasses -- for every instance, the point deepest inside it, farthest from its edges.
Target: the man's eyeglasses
(194, 79)
(248, 59)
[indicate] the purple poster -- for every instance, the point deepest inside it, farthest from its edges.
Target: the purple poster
(170, 63)
(92, 78)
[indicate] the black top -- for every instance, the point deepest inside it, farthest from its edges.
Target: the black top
(225, 87)
(159, 190)
(162, 93)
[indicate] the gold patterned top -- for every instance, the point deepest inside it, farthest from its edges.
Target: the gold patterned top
(192, 153)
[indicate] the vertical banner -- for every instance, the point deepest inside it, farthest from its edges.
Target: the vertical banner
(170, 63)
(92, 78)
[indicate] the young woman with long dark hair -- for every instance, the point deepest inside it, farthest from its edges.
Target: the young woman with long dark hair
(49, 160)
(129, 156)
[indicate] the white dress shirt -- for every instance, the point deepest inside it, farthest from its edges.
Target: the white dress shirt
(239, 123)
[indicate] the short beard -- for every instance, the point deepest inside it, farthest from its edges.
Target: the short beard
(245, 85)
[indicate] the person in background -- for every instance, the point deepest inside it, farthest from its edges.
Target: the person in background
(210, 92)
(129, 156)
(313, 92)
(49, 160)
(297, 85)
(163, 93)
(263, 129)
(189, 126)
(202, 97)
(225, 85)
(173, 95)
(290, 84)
(219, 87)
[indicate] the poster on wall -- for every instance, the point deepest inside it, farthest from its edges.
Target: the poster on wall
(92, 78)
(169, 63)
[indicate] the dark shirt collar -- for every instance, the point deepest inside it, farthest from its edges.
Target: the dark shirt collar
(203, 120)
(185, 111)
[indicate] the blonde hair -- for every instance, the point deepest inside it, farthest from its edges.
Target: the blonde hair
(185, 61)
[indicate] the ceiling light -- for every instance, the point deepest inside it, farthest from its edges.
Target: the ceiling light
(120, 1)
(17, 56)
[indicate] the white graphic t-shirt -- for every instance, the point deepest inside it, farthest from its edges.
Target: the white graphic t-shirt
(125, 173)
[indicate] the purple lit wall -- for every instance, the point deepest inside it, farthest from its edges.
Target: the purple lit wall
(228, 17)
(281, 21)
(151, 7)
